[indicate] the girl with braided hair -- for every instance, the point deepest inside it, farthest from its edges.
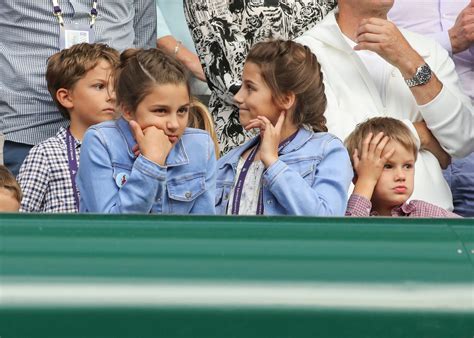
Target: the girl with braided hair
(294, 167)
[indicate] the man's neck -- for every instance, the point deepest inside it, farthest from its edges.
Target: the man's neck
(349, 20)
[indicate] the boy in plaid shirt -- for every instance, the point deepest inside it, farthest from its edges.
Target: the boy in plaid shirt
(79, 81)
(383, 153)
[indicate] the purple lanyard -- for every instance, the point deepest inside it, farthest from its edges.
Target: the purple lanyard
(59, 13)
(243, 174)
(72, 163)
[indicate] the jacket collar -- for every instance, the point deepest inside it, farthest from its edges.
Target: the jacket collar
(303, 136)
(176, 157)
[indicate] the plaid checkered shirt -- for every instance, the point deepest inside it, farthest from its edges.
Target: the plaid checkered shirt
(45, 178)
(360, 206)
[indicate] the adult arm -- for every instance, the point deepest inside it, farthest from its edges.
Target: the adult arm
(144, 23)
(447, 111)
(168, 42)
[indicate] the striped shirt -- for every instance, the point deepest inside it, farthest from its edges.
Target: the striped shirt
(30, 34)
(361, 207)
(45, 179)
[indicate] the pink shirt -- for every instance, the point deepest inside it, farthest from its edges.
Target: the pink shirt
(360, 206)
(434, 18)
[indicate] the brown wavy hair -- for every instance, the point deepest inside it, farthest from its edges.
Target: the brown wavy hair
(70, 65)
(289, 67)
(395, 129)
(141, 70)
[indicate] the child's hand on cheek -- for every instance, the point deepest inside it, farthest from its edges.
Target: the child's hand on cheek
(370, 163)
(270, 137)
(152, 143)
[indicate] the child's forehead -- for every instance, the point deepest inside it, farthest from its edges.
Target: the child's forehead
(401, 151)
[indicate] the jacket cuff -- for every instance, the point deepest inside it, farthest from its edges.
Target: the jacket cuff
(150, 168)
(272, 172)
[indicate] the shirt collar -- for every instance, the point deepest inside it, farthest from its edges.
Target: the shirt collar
(61, 134)
(405, 209)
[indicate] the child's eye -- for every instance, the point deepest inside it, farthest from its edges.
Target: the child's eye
(99, 86)
(408, 166)
(159, 111)
(387, 166)
(183, 110)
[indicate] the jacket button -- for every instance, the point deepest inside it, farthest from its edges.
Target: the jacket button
(269, 201)
(226, 197)
(188, 194)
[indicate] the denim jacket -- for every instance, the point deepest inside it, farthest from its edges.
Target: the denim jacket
(112, 180)
(310, 178)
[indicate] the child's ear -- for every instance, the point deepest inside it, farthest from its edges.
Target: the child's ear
(126, 113)
(288, 100)
(63, 96)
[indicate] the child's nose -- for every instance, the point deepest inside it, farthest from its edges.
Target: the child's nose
(400, 174)
(172, 123)
(238, 97)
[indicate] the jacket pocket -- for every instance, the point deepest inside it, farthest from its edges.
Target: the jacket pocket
(187, 188)
(306, 168)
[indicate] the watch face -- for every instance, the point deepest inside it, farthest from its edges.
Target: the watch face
(424, 74)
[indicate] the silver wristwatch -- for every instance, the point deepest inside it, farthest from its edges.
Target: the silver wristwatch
(422, 76)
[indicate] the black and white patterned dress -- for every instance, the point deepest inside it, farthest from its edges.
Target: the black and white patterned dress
(223, 32)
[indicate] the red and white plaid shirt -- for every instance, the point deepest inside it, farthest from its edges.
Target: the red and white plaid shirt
(360, 206)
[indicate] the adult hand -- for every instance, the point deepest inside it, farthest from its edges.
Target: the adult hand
(152, 142)
(370, 163)
(462, 33)
(384, 38)
(270, 137)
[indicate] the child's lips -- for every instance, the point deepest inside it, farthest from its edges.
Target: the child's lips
(173, 138)
(400, 189)
(109, 111)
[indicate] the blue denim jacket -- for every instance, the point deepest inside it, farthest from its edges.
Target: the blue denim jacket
(186, 185)
(310, 178)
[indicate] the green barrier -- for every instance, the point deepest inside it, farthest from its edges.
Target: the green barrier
(181, 276)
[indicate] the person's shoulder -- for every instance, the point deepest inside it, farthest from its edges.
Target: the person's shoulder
(195, 131)
(195, 139)
(429, 209)
(323, 138)
(327, 24)
(104, 125)
(53, 144)
(194, 136)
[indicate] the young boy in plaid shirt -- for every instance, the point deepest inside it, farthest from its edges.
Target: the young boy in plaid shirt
(383, 154)
(79, 81)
